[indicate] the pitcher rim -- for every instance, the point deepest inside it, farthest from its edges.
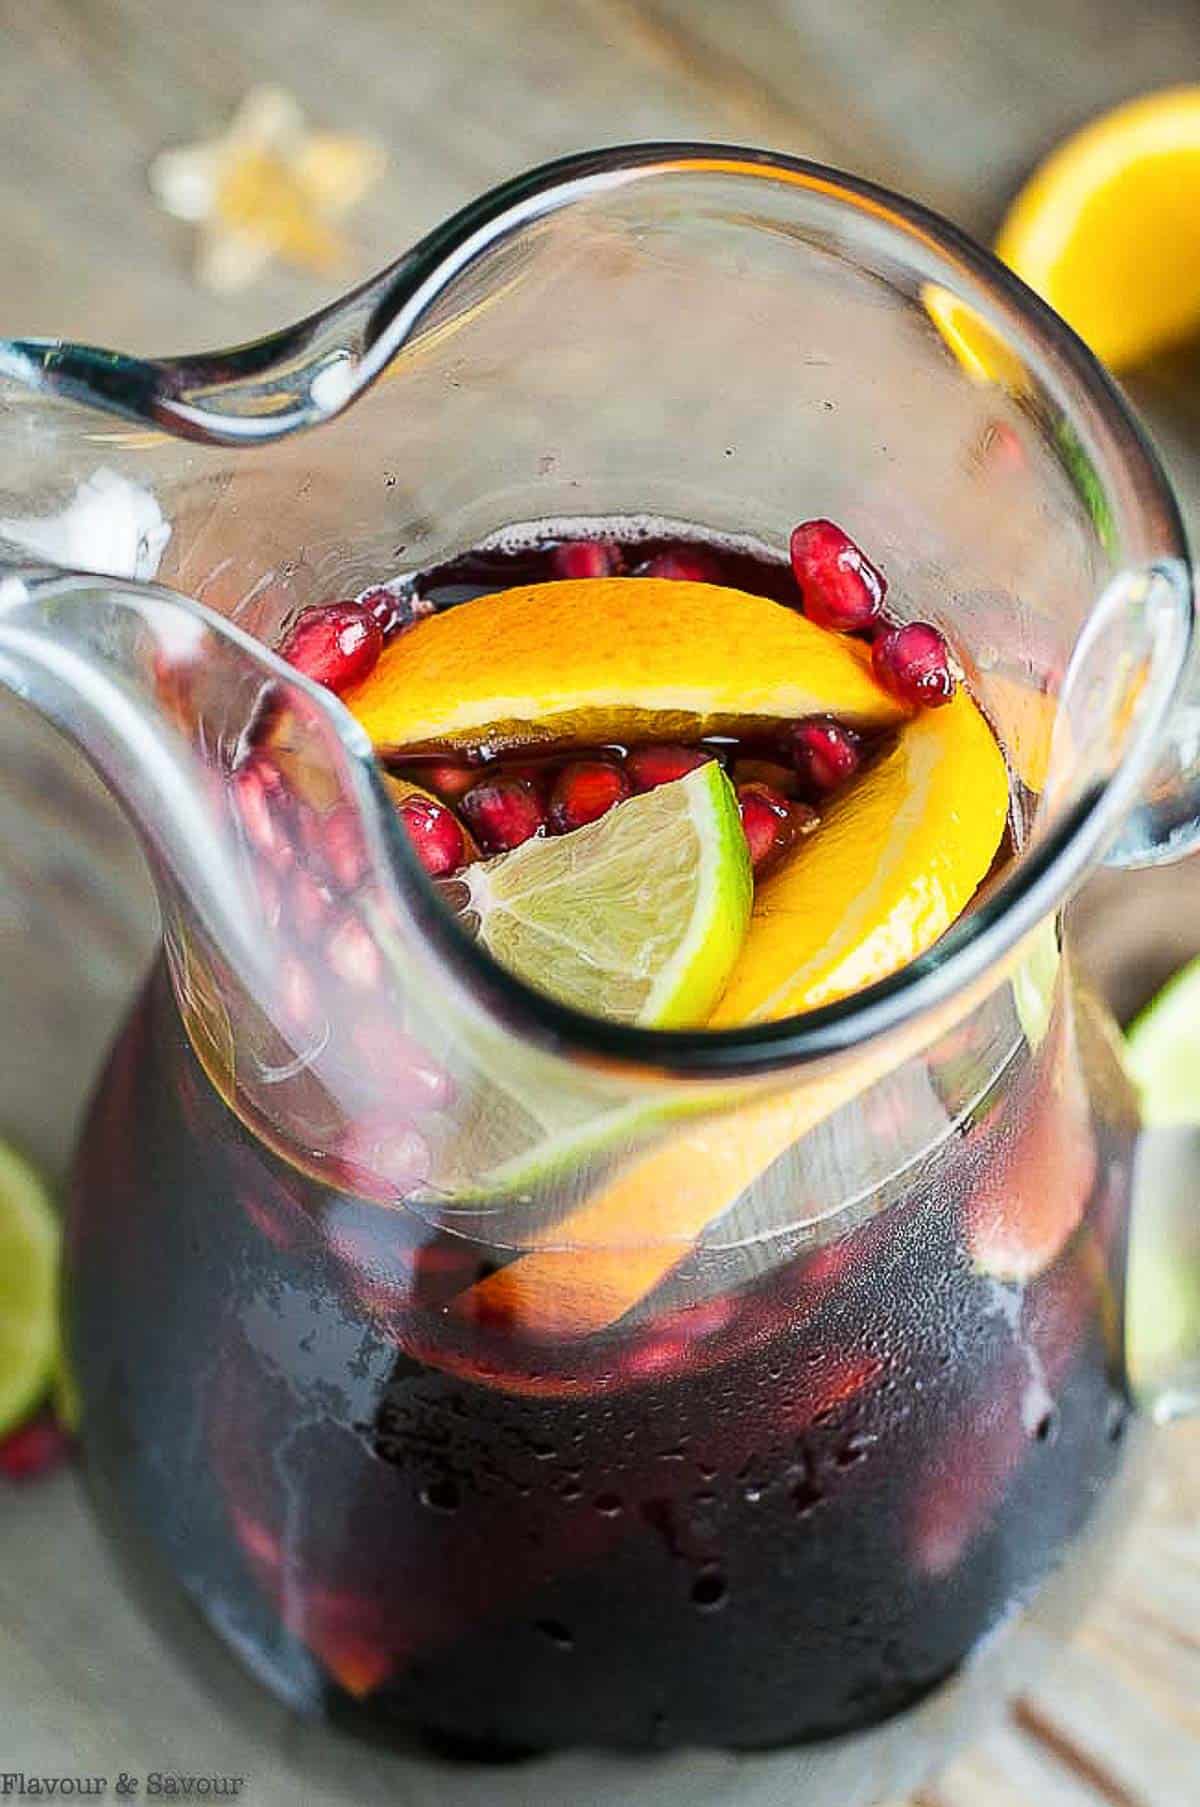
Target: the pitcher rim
(406, 290)
(1045, 875)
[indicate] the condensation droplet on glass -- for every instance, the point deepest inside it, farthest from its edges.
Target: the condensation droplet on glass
(710, 1590)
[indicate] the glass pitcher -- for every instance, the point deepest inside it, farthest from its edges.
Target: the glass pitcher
(673, 1409)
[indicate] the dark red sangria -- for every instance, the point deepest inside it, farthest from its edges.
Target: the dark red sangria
(746, 1430)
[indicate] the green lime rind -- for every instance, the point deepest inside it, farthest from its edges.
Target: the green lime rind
(523, 1128)
(1163, 1052)
(1034, 982)
(639, 917)
(29, 1246)
(1162, 1309)
(1162, 1292)
(568, 1160)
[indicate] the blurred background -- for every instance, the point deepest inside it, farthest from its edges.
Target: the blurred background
(954, 103)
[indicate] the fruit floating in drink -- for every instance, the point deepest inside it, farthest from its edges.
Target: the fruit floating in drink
(673, 1470)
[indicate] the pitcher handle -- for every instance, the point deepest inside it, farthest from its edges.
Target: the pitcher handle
(1164, 824)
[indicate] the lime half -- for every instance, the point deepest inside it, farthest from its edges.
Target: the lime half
(28, 1286)
(1163, 1052)
(638, 917)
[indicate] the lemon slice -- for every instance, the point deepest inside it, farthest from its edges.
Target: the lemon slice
(638, 917)
(1106, 230)
(613, 659)
(28, 1277)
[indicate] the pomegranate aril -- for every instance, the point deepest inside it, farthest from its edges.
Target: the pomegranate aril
(585, 558)
(297, 996)
(353, 955)
(766, 818)
(503, 812)
(536, 772)
(826, 754)
(648, 767)
(34, 1448)
(840, 588)
(345, 855)
(585, 790)
(270, 896)
(451, 782)
(258, 792)
(780, 778)
(309, 903)
(913, 663)
(394, 610)
(336, 645)
(401, 1068)
(684, 567)
(385, 1155)
(435, 833)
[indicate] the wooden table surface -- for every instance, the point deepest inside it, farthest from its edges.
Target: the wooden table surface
(952, 102)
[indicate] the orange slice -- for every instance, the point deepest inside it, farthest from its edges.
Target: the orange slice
(1108, 229)
(1026, 720)
(401, 789)
(612, 659)
(615, 1247)
(894, 862)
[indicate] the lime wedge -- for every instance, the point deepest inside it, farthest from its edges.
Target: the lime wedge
(1163, 1052)
(1162, 1292)
(638, 917)
(28, 1287)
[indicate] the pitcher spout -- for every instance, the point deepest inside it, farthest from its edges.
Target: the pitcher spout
(316, 970)
(98, 658)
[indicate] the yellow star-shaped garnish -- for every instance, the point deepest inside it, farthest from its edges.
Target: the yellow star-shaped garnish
(268, 187)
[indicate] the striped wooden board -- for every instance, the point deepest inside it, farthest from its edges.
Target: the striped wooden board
(951, 103)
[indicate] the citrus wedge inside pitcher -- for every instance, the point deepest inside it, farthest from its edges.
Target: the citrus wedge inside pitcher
(893, 864)
(638, 917)
(593, 660)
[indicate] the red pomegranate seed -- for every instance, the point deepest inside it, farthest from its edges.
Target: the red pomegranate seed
(388, 1154)
(585, 790)
(436, 835)
(343, 847)
(685, 567)
(780, 778)
(503, 812)
(352, 954)
(648, 767)
(840, 588)
(335, 645)
(401, 1068)
(270, 896)
(451, 782)
(826, 754)
(297, 995)
(309, 904)
(385, 608)
(259, 793)
(34, 1448)
(537, 772)
(766, 818)
(585, 558)
(1000, 448)
(913, 662)
(394, 610)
